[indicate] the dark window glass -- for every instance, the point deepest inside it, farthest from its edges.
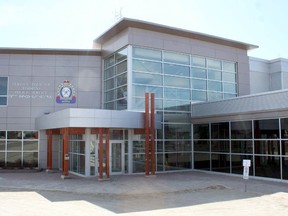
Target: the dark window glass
(237, 164)
(138, 163)
(177, 146)
(30, 135)
(202, 161)
(160, 165)
(242, 146)
(2, 134)
(267, 166)
(220, 130)
(138, 146)
(2, 159)
(30, 159)
(177, 131)
(284, 147)
(201, 131)
(177, 117)
(220, 163)
(178, 161)
(271, 147)
(241, 130)
(2, 145)
(285, 168)
(202, 145)
(159, 146)
(266, 129)
(220, 146)
(14, 134)
(175, 105)
(284, 128)
(116, 135)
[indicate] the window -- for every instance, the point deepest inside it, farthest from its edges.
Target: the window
(19, 149)
(3, 90)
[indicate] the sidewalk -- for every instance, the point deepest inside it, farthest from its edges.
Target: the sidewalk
(167, 194)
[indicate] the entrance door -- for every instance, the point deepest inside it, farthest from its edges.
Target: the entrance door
(116, 157)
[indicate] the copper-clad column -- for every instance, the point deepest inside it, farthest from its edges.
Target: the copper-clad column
(65, 149)
(49, 149)
(100, 153)
(147, 170)
(153, 164)
(107, 153)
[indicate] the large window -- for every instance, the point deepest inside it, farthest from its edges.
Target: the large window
(223, 146)
(3, 90)
(19, 149)
(196, 78)
(115, 81)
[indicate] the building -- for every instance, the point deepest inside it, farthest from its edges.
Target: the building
(84, 111)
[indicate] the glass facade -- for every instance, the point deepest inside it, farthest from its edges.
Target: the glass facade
(176, 79)
(221, 147)
(19, 149)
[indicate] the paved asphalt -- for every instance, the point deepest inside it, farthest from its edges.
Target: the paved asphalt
(180, 193)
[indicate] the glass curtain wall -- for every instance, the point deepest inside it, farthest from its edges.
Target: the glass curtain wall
(222, 147)
(115, 81)
(19, 149)
(176, 79)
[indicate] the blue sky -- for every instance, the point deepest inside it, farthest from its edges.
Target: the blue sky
(75, 23)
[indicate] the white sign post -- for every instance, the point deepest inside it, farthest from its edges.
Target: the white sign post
(246, 165)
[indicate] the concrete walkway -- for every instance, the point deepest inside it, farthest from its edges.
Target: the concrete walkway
(166, 194)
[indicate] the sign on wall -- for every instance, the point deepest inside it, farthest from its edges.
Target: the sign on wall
(66, 93)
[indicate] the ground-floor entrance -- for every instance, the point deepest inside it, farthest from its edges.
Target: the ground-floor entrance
(116, 157)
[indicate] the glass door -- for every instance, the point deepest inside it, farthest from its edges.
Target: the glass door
(116, 157)
(93, 158)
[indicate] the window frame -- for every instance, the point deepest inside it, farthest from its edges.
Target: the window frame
(5, 96)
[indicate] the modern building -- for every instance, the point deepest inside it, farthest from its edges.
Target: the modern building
(84, 111)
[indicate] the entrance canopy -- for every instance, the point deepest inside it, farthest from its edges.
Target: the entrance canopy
(90, 118)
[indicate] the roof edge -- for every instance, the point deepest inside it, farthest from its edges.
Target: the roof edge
(127, 22)
(50, 51)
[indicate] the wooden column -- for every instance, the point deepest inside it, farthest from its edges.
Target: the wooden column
(65, 149)
(107, 153)
(100, 154)
(152, 131)
(49, 149)
(147, 134)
